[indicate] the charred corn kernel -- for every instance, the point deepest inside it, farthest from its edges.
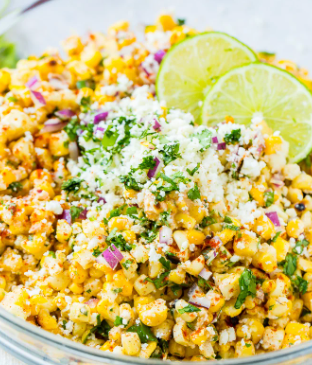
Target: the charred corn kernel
(120, 223)
(308, 277)
(181, 240)
(245, 245)
(177, 275)
(195, 237)
(196, 266)
(304, 265)
(185, 221)
(227, 234)
(199, 336)
(166, 22)
(187, 317)
(303, 182)
(77, 274)
(76, 288)
(281, 247)
(264, 227)
(58, 144)
(46, 321)
(244, 349)
(129, 236)
(150, 28)
(120, 281)
(294, 228)
(216, 302)
(294, 195)
(230, 310)
(5, 79)
(147, 351)
(265, 258)
(119, 26)
(2, 282)
(299, 329)
(268, 286)
(307, 300)
(164, 330)
(296, 309)
(140, 301)
(197, 212)
(258, 195)
(63, 231)
(176, 349)
(91, 56)
(273, 144)
(80, 70)
(72, 45)
(154, 313)
(143, 286)
(80, 312)
(278, 307)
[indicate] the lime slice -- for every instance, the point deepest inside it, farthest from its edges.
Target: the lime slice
(191, 67)
(260, 89)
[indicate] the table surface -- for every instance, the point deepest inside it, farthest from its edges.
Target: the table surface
(281, 25)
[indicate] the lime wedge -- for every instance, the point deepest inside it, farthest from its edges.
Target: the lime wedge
(260, 89)
(192, 66)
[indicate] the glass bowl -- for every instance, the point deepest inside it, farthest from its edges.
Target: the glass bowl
(280, 26)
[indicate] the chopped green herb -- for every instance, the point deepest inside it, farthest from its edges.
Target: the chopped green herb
(180, 21)
(228, 220)
(300, 245)
(233, 137)
(72, 185)
(165, 263)
(188, 309)
(194, 193)
(170, 153)
(195, 169)
(268, 198)
(118, 321)
(290, 264)
(143, 331)
(247, 285)
(75, 212)
(96, 252)
(15, 186)
(127, 264)
(300, 285)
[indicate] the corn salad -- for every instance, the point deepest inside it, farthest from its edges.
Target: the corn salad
(128, 228)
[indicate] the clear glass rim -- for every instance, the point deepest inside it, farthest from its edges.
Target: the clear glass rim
(89, 353)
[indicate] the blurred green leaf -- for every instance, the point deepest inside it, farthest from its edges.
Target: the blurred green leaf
(8, 56)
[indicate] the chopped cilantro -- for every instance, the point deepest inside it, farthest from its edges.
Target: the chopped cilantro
(72, 128)
(109, 138)
(163, 217)
(274, 239)
(170, 153)
(233, 137)
(268, 198)
(300, 285)
(117, 290)
(202, 283)
(188, 309)
(75, 212)
(290, 264)
(247, 285)
(190, 325)
(15, 186)
(180, 21)
(116, 212)
(300, 245)
(86, 83)
(127, 264)
(143, 331)
(72, 184)
(118, 321)
(228, 220)
(160, 281)
(52, 254)
(131, 211)
(147, 163)
(194, 193)
(130, 182)
(195, 169)
(204, 138)
(85, 103)
(165, 263)
(96, 252)
(207, 221)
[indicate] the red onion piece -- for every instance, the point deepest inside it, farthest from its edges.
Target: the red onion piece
(201, 302)
(65, 215)
(73, 151)
(65, 114)
(205, 274)
(159, 55)
(165, 235)
(53, 125)
(110, 258)
(215, 139)
(100, 117)
(83, 214)
(221, 146)
(274, 218)
(102, 200)
(152, 172)
(116, 252)
(99, 132)
(156, 125)
(38, 97)
(32, 82)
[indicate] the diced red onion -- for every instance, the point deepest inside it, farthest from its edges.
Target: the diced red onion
(205, 274)
(100, 117)
(116, 252)
(201, 302)
(83, 214)
(156, 125)
(165, 235)
(274, 218)
(32, 82)
(159, 55)
(215, 139)
(99, 132)
(38, 97)
(221, 146)
(53, 125)
(66, 215)
(110, 258)
(102, 200)
(65, 114)
(152, 172)
(73, 151)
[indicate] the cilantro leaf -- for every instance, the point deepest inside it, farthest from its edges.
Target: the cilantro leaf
(72, 184)
(143, 331)
(300, 285)
(204, 138)
(268, 198)
(96, 252)
(290, 264)
(188, 309)
(207, 221)
(165, 263)
(15, 186)
(194, 193)
(75, 212)
(170, 153)
(247, 285)
(147, 163)
(72, 128)
(180, 21)
(118, 321)
(192, 172)
(300, 245)
(233, 137)
(8, 56)
(130, 182)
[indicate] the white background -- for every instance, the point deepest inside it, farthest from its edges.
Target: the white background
(281, 26)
